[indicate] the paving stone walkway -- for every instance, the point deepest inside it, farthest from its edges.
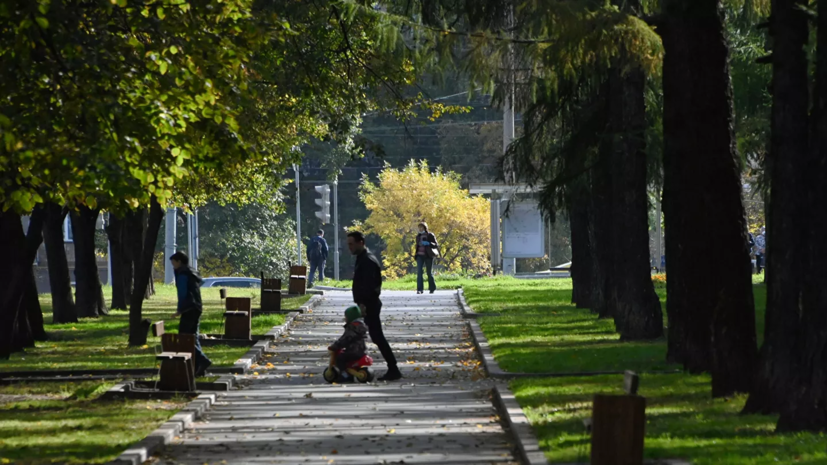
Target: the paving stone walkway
(286, 413)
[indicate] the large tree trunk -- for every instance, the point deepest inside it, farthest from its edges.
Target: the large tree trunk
(63, 305)
(807, 406)
(787, 220)
(637, 311)
(134, 225)
(90, 302)
(581, 259)
(710, 303)
(143, 272)
(13, 275)
(600, 231)
(115, 233)
(34, 237)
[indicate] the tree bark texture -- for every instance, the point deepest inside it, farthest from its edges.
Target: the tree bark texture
(710, 302)
(13, 274)
(133, 234)
(63, 305)
(34, 237)
(600, 231)
(807, 406)
(793, 376)
(637, 311)
(786, 251)
(581, 259)
(90, 301)
(143, 272)
(115, 233)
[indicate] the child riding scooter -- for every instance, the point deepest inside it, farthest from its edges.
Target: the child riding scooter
(348, 357)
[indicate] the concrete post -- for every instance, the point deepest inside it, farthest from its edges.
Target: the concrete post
(169, 243)
(495, 232)
(336, 229)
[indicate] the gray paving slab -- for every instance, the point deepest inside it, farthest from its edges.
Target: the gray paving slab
(284, 412)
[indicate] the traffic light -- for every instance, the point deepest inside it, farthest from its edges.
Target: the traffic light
(324, 203)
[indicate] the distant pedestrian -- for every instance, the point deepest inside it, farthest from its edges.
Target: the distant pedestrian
(760, 250)
(317, 251)
(751, 243)
(367, 287)
(189, 309)
(426, 251)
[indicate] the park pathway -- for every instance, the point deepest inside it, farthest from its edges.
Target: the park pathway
(285, 413)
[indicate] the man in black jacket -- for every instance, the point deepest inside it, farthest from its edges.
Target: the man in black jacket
(189, 309)
(367, 286)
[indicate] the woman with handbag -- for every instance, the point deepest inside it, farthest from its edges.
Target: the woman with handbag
(426, 250)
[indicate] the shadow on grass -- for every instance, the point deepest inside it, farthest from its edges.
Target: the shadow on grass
(75, 431)
(683, 421)
(101, 343)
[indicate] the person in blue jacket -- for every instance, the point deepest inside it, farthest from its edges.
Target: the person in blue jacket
(189, 309)
(317, 251)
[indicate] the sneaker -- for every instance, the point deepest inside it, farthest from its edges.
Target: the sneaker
(391, 375)
(202, 370)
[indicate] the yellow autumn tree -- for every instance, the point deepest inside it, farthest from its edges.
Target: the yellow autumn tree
(403, 198)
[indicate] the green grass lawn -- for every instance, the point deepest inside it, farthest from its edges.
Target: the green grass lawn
(682, 421)
(539, 330)
(101, 343)
(67, 423)
(535, 328)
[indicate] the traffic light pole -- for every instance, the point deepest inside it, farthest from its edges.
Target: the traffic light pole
(336, 228)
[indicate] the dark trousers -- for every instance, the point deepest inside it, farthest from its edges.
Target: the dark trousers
(759, 262)
(316, 265)
(372, 311)
(190, 322)
(428, 263)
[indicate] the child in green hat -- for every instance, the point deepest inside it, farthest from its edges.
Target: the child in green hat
(350, 346)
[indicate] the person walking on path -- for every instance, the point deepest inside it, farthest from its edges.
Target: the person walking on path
(367, 286)
(189, 309)
(426, 251)
(317, 251)
(760, 250)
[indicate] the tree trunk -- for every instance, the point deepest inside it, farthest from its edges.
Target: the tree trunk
(63, 305)
(13, 275)
(34, 237)
(806, 406)
(115, 233)
(90, 301)
(133, 234)
(710, 303)
(600, 230)
(787, 218)
(143, 271)
(637, 311)
(150, 287)
(581, 259)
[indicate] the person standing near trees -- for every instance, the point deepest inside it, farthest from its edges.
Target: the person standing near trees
(189, 309)
(367, 286)
(426, 251)
(760, 249)
(317, 251)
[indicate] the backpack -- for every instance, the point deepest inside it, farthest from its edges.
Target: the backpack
(315, 250)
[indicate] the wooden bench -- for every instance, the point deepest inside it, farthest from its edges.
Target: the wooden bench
(618, 425)
(298, 280)
(238, 322)
(177, 362)
(270, 294)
